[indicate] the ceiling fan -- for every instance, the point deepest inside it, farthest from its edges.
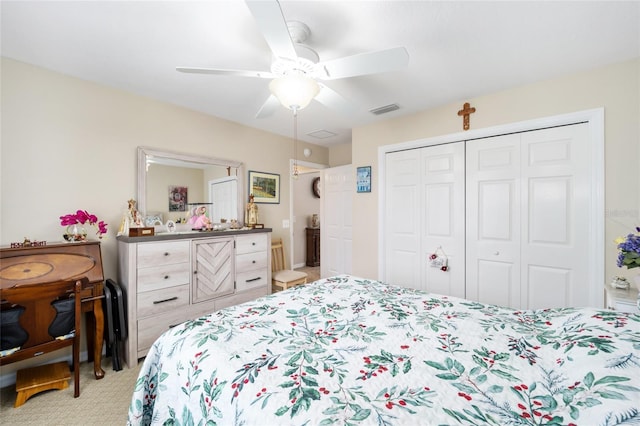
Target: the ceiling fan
(297, 67)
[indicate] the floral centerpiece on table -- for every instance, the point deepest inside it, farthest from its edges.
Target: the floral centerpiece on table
(76, 232)
(629, 250)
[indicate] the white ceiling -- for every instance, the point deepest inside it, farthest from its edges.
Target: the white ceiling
(458, 50)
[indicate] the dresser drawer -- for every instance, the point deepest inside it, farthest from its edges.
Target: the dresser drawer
(159, 301)
(150, 328)
(251, 261)
(158, 254)
(252, 279)
(251, 243)
(163, 277)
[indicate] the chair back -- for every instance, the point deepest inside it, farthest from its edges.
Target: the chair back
(45, 315)
(278, 262)
(43, 309)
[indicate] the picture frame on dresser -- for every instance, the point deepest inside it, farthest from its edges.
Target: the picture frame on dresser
(265, 187)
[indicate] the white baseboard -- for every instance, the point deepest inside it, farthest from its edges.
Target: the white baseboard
(299, 265)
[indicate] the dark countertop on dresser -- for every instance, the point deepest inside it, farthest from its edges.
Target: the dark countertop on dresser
(167, 236)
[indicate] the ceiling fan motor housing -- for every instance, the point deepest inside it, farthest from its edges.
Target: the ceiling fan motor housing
(307, 58)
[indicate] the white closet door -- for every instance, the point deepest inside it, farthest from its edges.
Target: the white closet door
(442, 218)
(402, 219)
(527, 238)
(493, 220)
(555, 240)
(424, 211)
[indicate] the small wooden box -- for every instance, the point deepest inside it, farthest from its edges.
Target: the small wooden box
(141, 232)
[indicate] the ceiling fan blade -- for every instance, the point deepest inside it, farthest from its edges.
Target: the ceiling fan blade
(240, 73)
(268, 108)
(334, 101)
(273, 26)
(365, 63)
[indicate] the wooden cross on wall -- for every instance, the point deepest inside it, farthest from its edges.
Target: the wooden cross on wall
(465, 112)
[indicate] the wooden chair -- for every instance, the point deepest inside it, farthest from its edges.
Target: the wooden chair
(281, 277)
(39, 318)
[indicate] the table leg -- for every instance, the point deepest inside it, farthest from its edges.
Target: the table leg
(95, 335)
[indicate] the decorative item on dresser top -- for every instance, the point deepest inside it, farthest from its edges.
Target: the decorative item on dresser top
(174, 277)
(38, 265)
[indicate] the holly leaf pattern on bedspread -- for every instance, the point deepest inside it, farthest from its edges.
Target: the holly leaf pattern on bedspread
(352, 351)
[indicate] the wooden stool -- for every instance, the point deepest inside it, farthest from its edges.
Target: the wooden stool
(31, 381)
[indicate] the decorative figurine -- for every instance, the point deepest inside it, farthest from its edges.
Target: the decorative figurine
(251, 215)
(199, 219)
(130, 219)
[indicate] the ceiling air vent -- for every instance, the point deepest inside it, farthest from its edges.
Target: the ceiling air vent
(384, 109)
(321, 134)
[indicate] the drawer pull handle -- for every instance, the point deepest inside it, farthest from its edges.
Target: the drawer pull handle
(166, 277)
(155, 302)
(38, 353)
(173, 325)
(254, 279)
(253, 261)
(253, 244)
(166, 253)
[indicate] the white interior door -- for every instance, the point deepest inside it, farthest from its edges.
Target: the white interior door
(493, 220)
(555, 217)
(336, 228)
(402, 219)
(527, 222)
(223, 194)
(424, 214)
(443, 217)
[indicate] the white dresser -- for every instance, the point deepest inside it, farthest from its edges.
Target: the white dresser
(170, 279)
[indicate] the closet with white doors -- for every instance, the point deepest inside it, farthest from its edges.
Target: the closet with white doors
(510, 214)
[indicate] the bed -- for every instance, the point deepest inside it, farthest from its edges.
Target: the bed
(351, 351)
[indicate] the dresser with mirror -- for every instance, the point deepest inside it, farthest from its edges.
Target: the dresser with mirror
(179, 274)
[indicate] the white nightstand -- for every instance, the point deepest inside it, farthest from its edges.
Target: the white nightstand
(622, 300)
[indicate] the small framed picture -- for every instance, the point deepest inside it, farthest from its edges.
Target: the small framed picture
(265, 187)
(178, 198)
(364, 179)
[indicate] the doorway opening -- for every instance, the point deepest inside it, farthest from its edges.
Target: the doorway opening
(304, 203)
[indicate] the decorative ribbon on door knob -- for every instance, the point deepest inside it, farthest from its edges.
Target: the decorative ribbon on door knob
(439, 259)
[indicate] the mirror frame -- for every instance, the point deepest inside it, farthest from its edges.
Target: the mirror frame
(144, 152)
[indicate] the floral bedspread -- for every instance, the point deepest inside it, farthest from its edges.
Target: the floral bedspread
(351, 351)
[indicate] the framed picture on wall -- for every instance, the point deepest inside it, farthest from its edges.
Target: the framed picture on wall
(265, 187)
(364, 179)
(178, 198)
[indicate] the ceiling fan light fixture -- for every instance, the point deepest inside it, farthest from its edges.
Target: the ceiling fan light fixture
(294, 91)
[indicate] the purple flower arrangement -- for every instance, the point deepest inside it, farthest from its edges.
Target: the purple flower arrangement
(629, 250)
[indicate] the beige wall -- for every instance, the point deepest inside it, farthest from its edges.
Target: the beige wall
(68, 144)
(616, 88)
(340, 155)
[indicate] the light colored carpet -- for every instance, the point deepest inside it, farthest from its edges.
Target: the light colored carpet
(313, 272)
(101, 402)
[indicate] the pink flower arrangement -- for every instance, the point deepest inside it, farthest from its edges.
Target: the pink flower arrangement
(81, 217)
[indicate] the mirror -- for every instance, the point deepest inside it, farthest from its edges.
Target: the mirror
(172, 183)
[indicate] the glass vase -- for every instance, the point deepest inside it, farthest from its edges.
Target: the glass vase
(75, 233)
